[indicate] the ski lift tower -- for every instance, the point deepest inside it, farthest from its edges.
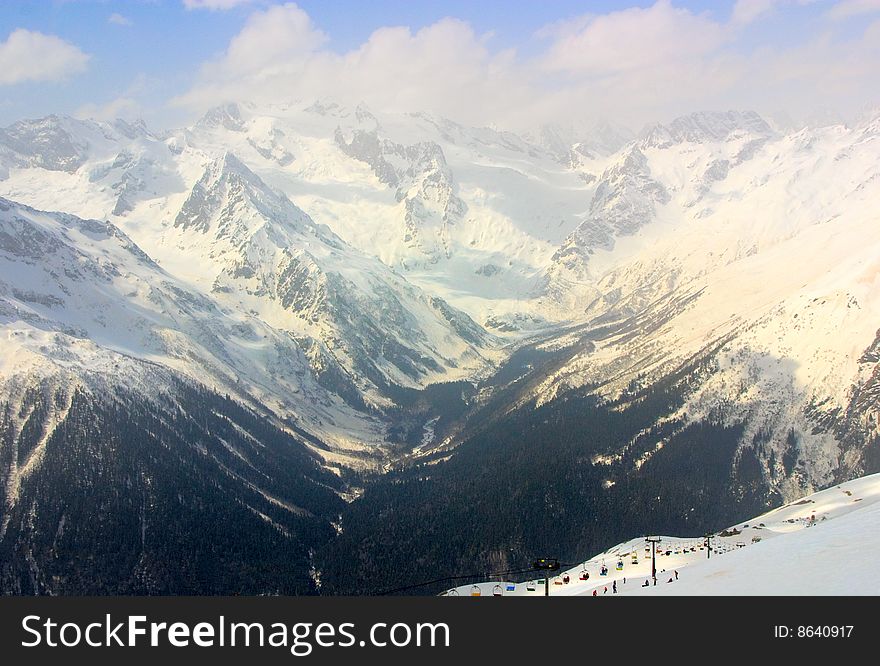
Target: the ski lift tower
(546, 565)
(708, 536)
(653, 540)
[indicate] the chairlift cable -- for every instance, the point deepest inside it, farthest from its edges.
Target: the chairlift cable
(462, 577)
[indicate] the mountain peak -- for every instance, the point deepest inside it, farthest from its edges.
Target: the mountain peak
(229, 162)
(707, 127)
(227, 186)
(50, 143)
(365, 117)
(225, 115)
(132, 130)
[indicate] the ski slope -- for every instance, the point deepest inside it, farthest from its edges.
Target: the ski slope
(823, 544)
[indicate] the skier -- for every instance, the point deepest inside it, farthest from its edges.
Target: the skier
(645, 584)
(594, 593)
(614, 587)
(676, 575)
(606, 590)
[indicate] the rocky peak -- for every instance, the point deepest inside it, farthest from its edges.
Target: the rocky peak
(707, 127)
(45, 143)
(232, 199)
(226, 115)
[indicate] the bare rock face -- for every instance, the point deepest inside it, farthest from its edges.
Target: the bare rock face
(44, 143)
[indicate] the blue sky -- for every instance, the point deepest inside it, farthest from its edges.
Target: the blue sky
(635, 60)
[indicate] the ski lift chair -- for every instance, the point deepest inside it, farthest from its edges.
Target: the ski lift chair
(475, 591)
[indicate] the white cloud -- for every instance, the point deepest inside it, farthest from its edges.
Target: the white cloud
(34, 56)
(121, 107)
(746, 11)
(119, 19)
(445, 67)
(134, 102)
(848, 8)
(636, 38)
(214, 5)
(633, 65)
(281, 34)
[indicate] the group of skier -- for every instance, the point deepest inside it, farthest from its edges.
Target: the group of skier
(647, 583)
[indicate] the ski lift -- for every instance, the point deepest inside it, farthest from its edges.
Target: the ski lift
(530, 587)
(452, 593)
(566, 579)
(585, 575)
(497, 591)
(620, 565)
(604, 571)
(475, 591)
(511, 587)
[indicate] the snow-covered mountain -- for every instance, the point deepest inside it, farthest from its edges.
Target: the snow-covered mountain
(470, 214)
(337, 256)
(255, 249)
(311, 328)
(667, 169)
(755, 252)
(81, 303)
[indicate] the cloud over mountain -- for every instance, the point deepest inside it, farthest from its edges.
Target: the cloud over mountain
(34, 56)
